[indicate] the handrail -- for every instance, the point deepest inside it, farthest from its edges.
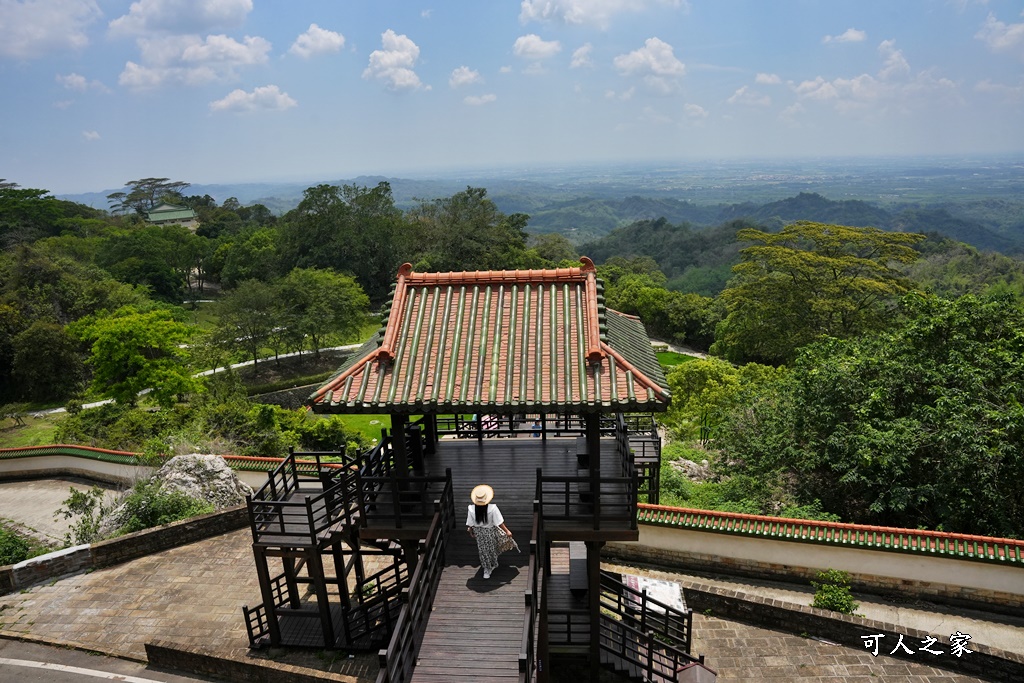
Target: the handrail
(893, 539)
(617, 497)
(672, 625)
(399, 658)
(534, 587)
(645, 650)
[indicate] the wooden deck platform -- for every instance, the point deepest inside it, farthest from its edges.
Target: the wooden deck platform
(476, 625)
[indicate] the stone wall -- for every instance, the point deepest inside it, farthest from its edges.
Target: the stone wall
(121, 549)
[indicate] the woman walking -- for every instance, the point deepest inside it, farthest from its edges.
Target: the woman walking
(483, 523)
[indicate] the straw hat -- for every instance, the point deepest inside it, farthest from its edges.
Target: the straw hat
(482, 495)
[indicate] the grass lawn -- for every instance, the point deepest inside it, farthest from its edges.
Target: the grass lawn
(670, 359)
(369, 425)
(35, 432)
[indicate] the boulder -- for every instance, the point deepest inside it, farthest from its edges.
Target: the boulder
(698, 472)
(206, 477)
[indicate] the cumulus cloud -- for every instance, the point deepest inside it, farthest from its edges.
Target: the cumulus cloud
(749, 98)
(34, 28)
(593, 12)
(181, 16)
(532, 46)
(79, 83)
(894, 83)
(850, 35)
(90, 135)
(464, 76)
(477, 100)
(767, 79)
(1002, 37)
(624, 95)
(695, 112)
(265, 98)
(581, 56)
(895, 63)
(191, 60)
(394, 64)
(656, 62)
(316, 41)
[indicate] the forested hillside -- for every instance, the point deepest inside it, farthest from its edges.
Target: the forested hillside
(859, 371)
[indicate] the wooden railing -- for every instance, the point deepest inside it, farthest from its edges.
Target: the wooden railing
(534, 590)
(646, 614)
(540, 425)
(399, 658)
(608, 501)
(394, 501)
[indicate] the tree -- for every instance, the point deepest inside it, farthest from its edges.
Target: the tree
(807, 281)
(248, 316)
(920, 426)
(46, 365)
(253, 255)
(467, 232)
(145, 194)
(319, 303)
(132, 350)
(26, 215)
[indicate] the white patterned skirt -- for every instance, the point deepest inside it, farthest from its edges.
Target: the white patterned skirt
(487, 546)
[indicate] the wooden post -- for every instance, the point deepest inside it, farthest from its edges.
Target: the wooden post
(430, 434)
(263, 572)
(398, 445)
(594, 604)
(592, 425)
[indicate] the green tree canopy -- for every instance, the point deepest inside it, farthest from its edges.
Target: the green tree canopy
(319, 303)
(133, 350)
(807, 281)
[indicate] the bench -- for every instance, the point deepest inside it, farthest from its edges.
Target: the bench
(578, 568)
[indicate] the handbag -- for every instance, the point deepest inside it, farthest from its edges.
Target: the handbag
(506, 542)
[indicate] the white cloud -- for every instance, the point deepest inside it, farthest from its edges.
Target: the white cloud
(181, 16)
(749, 98)
(581, 56)
(1010, 91)
(464, 76)
(532, 46)
(656, 62)
(893, 84)
(191, 60)
(90, 135)
(425, 14)
(477, 100)
(1001, 37)
(895, 64)
(79, 83)
(394, 64)
(264, 98)
(505, 70)
(593, 12)
(317, 41)
(850, 35)
(624, 95)
(767, 79)
(695, 111)
(33, 28)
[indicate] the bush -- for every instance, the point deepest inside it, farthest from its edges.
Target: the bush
(90, 509)
(148, 506)
(13, 548)
(832, 592)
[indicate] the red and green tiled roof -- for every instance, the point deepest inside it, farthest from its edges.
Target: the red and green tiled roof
(508, 341)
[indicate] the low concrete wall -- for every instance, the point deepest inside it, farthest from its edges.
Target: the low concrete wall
(166, 655)
(982, 585)
(121, 549)
(983, 661)
(71, 466)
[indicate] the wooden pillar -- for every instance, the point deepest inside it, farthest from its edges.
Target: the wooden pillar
(316, 573)
(263, 573)
(398, 448)
(410, 548)
(288, 562)
(430, 434)
(594, 605)
(592, 425)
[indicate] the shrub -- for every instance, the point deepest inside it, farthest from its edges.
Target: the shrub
(148, 506)
(90, 509)
(13, 548)
(832, 592)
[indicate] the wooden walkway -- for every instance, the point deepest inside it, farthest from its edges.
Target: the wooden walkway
(476, 626)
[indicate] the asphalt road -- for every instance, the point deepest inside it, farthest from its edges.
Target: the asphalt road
(31, 663)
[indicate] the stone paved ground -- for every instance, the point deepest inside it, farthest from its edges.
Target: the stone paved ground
(193, 596)
(747, 653)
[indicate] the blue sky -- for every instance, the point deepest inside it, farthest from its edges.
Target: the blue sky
(98, 92)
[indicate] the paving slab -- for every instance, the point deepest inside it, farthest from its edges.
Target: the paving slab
(31, 505)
